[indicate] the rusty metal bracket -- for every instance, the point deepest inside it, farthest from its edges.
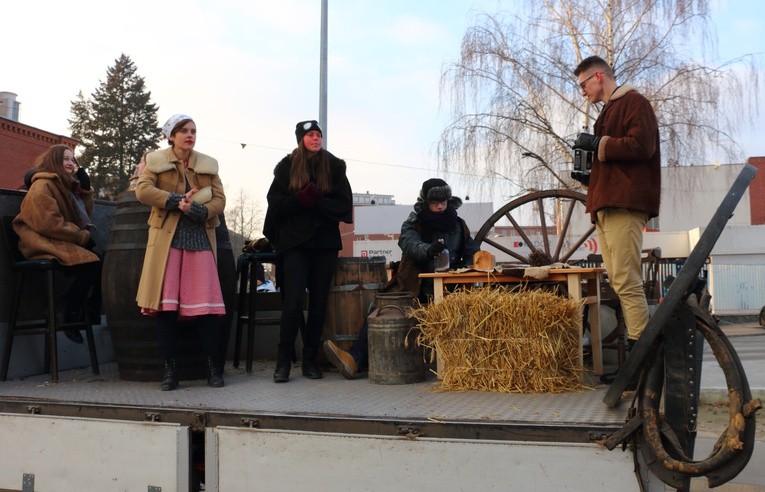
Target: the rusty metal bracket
(734, 447)
(409, 431)
(199, 422)
(624, 433)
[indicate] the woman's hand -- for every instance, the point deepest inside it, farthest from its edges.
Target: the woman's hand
(185, 204)
(309, 194)
(83, 178)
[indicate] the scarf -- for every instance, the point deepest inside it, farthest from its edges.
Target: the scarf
(445, 221)
(79, 210)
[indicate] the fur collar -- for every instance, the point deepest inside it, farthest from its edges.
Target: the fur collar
(45, 175)
(164, 160)
(622, 90)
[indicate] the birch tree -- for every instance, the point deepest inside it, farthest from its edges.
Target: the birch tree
(517, 107)
(244, 216)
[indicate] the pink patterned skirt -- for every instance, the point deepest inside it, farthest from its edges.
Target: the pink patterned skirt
(191, 285)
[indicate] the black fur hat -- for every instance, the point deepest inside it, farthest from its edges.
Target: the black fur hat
(435, 190)
(304, 127)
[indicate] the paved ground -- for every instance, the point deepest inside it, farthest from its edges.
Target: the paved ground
(746, 336)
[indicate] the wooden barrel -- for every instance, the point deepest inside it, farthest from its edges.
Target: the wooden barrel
(394, 356)
(134, 337)
(356, 282)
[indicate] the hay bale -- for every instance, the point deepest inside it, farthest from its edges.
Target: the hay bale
(489, 339)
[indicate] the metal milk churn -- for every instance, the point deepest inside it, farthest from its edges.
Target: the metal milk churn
(394, 356)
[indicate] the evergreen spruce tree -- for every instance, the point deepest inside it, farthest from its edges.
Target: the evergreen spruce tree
(115, 127)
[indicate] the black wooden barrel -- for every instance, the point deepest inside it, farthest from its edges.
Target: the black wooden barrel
(394, 356)
(134, 337)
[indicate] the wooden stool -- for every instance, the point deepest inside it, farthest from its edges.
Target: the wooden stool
(617, 339)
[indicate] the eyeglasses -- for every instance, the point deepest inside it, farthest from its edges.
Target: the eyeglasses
(584, 82)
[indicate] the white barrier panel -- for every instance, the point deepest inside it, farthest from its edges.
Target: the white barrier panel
(252, 459)
(75, 454)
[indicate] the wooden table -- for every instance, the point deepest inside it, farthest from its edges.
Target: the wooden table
(572, 277)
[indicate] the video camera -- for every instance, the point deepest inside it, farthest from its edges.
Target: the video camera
(582, 164)
(583, 161)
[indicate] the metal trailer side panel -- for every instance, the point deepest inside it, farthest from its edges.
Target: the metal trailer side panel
(75, 454)
(253, 459)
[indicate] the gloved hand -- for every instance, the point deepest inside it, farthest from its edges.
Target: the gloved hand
(83, 178)
(309, 194)
(581, 177)
(435, 249)
(586, 141)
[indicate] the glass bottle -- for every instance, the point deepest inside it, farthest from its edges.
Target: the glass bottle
(442, 260)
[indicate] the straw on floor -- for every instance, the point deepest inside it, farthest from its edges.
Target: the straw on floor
(489, 339)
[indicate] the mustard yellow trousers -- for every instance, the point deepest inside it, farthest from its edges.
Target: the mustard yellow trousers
(620, 233)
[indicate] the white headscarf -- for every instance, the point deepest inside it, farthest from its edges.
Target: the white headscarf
(167, 128)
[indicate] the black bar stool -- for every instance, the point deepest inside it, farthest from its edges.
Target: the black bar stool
(249, 302)
(47, 326)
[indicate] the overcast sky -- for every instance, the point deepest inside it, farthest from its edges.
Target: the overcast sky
(248, 70)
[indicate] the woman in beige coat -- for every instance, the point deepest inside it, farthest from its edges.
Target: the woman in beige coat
(179, 277)
(54, 223)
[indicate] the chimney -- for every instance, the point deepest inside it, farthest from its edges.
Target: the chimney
(9, 107)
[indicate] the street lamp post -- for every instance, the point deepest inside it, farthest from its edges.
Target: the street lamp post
(323, 72)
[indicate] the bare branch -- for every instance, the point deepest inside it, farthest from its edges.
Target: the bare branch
(512, 90)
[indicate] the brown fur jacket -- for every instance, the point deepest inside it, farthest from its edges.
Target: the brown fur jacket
(47, 224)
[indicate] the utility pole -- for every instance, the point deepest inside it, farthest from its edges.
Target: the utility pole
(323, 73)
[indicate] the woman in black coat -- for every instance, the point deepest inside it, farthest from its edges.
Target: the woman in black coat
(308, 198)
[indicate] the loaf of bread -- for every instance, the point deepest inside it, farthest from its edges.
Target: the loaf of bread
(484, 261)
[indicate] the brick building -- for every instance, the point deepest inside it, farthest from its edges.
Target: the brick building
(757, 191)
(20, 145)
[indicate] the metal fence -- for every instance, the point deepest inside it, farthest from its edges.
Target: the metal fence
(668, 269)
(737, 289)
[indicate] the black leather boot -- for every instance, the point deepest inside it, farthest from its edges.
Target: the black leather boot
(283, 366)
(311, 368)
(170, 379)
(214, 378)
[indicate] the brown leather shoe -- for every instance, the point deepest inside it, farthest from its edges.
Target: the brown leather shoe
(341, 359)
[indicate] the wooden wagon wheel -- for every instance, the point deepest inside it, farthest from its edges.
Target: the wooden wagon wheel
(551, 206)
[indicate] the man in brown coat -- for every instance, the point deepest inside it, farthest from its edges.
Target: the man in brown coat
(624, 186)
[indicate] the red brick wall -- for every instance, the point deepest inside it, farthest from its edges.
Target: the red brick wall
(757, 191)
(19, 147)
